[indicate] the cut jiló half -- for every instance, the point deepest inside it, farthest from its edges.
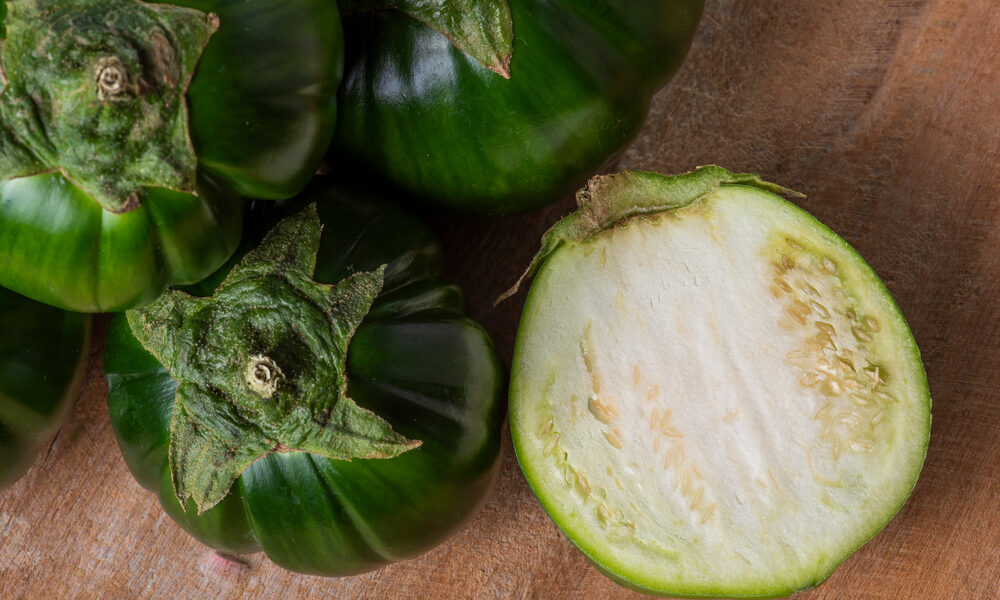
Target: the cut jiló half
(712, 394)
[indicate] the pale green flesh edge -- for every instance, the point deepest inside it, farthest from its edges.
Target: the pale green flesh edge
(621, 564)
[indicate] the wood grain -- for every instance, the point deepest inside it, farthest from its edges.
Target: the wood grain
(885, 113)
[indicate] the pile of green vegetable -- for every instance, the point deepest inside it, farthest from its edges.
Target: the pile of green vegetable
(711, 394)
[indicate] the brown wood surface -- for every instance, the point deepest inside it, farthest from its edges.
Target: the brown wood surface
(885, 113)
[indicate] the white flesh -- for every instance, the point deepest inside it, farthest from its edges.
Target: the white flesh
(695, 430)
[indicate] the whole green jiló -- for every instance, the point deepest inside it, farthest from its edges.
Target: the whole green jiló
(268, 352)
(257, 368)
(501, 106)
(110, 125)
(42, 352)
(130, 132)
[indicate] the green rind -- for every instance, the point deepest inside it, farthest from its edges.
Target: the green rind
(666, 192)
(42, 352)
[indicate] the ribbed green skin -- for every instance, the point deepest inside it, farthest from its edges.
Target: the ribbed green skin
(432, 119)
(262, 107)
(60, 247)
(416, 361)
(42, 352)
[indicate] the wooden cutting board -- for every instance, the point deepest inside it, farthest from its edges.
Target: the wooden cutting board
(885, 113)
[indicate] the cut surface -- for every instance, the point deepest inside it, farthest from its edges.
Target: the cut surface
(721, 399)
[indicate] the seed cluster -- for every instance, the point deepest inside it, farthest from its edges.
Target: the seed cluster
(606, 410)
(611, 517)
(668, 442)
(835, 358)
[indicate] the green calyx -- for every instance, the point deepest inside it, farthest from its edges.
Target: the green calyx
(483, 29)
(262, 365)
(95, 89)
(610, 199)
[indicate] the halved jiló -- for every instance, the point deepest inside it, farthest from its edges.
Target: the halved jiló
(712, 394)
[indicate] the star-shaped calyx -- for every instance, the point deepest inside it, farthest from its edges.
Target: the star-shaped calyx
(262, 365)
(95, 89)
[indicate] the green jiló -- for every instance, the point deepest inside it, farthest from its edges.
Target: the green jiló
(712, 394)
(131, 132)
(42, 352)
(429, 373)
(267, 351)
(106, 110)
(521, 121)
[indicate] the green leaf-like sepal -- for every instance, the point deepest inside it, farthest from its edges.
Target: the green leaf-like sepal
(262, 365)
(483, 29)
(206, 458)
(609, 199)
(95, 89)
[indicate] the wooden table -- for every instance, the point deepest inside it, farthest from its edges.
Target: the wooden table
(887, 114)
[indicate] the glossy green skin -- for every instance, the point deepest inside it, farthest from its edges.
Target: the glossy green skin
(263, 100)
(421, 112)
(60, 247)
(262, 107)
(416, 361)
(42, 351)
